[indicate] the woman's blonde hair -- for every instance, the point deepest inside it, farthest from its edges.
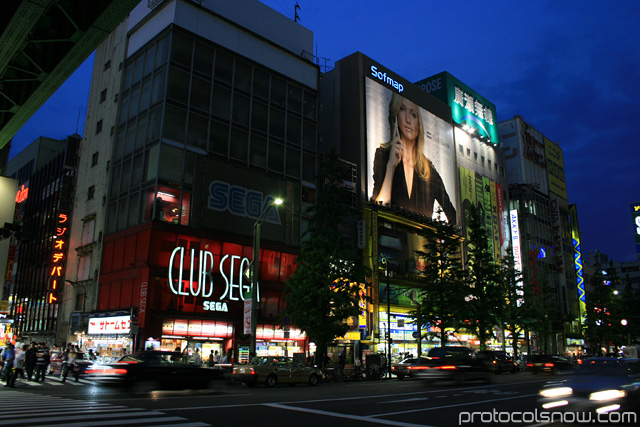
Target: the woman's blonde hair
(422, 164)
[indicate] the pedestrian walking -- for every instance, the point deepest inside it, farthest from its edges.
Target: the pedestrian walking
(8, 355)
(42, 361)
(30, 360)
(18, 363)
(197, 359)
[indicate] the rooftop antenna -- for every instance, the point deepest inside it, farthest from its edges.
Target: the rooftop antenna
(295, 11)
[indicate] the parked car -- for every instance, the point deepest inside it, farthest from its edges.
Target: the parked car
(497, 361)
(146, 371)
(79, 367)
(549, 364)
(271, 370)
(457, 364)
(409, 367)
(599, 384)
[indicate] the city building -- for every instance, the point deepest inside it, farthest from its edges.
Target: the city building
(45, 172)
(363, 112)
(547, 246)
(200, 115)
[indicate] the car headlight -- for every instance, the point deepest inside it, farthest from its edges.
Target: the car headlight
(556, 392)
(607, 395)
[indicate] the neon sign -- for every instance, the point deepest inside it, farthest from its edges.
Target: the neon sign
(383, 77)
(22, 195)
(201, 283)
(58, 258)
(517, 256)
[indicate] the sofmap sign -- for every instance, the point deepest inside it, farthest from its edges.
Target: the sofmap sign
(383, 77)
(200, 281)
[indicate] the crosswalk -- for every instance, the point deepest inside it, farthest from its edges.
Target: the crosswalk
(54, 381)
(28, 409)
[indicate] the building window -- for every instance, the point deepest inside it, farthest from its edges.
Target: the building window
(107, 65)
(91, 192)
(94, 158)
(99, 127)
(103, 96)
(115, 98)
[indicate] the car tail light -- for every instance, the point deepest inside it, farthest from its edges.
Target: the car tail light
(446, 367)
(548, 365)
(106, 371)
(529, 365)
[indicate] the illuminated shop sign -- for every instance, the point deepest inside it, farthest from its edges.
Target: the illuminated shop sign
(467, 106)
(197, 328)
(58, 257)
(384, 78)
(200, 281)
(109, 325)
(517, 255)
(23, 194)
(241, 201)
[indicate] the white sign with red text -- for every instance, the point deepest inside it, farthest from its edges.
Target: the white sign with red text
(109, 325)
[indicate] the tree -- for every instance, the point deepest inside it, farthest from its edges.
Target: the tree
(442, 295)
(329, 281)
(511, 313)
(485, 297)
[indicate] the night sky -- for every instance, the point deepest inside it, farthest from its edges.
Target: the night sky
(570, 68)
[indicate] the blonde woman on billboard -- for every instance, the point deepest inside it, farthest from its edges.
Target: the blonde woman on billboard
(402, 174)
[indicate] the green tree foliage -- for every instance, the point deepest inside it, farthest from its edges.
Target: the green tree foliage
(443, 292)
(485, 297)
(326, 287)
(511, 314)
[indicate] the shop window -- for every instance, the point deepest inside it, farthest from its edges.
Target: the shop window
(167, 206)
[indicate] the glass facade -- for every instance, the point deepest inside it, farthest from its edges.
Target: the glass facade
(184, 98)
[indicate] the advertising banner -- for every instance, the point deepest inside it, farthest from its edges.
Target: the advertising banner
(480, 199)
(488, 218)
(555, 169)
(495, 222)
(635, 216)
(504, 222)
(517, 251)
(467, 196)
(410, 158)
(467, 106)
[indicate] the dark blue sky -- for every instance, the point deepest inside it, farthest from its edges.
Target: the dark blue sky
(571, 68)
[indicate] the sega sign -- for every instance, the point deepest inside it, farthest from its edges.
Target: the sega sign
(241, 201)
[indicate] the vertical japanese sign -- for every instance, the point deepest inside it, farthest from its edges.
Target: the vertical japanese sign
(517, 253)
(58, 258)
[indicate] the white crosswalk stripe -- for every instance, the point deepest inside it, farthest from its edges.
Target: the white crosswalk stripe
(53, 380)
(26, 409)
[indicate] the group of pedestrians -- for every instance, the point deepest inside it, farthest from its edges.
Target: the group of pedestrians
(32, 362)
(24, 362)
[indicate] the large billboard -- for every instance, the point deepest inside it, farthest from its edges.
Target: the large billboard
(410, 159)
(467, 106)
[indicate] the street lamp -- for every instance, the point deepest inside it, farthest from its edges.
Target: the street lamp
(255, 269)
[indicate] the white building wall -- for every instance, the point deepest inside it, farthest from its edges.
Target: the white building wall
(84, 235)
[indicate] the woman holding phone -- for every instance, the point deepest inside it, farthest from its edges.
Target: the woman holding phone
(402, 174)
